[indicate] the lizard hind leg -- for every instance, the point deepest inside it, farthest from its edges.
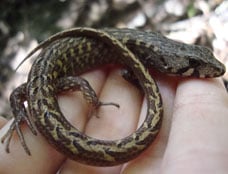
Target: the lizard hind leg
(17, 99)
(72, 83)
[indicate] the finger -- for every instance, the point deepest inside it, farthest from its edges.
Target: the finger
(9, 162)
(150, 160)
(198, 140)
(112, 123)
(42, 152)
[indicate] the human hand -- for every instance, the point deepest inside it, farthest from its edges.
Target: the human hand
(193, 137)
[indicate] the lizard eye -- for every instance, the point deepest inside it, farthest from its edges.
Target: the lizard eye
(194, 63)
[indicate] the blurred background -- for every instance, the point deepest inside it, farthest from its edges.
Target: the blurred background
(25, 23)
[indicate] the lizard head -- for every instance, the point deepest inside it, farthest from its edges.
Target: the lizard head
(200, 62)
(188, 60)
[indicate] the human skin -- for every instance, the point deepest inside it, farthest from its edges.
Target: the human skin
(193, 138)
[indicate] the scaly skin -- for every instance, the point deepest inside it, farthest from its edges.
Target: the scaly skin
(72, 52)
